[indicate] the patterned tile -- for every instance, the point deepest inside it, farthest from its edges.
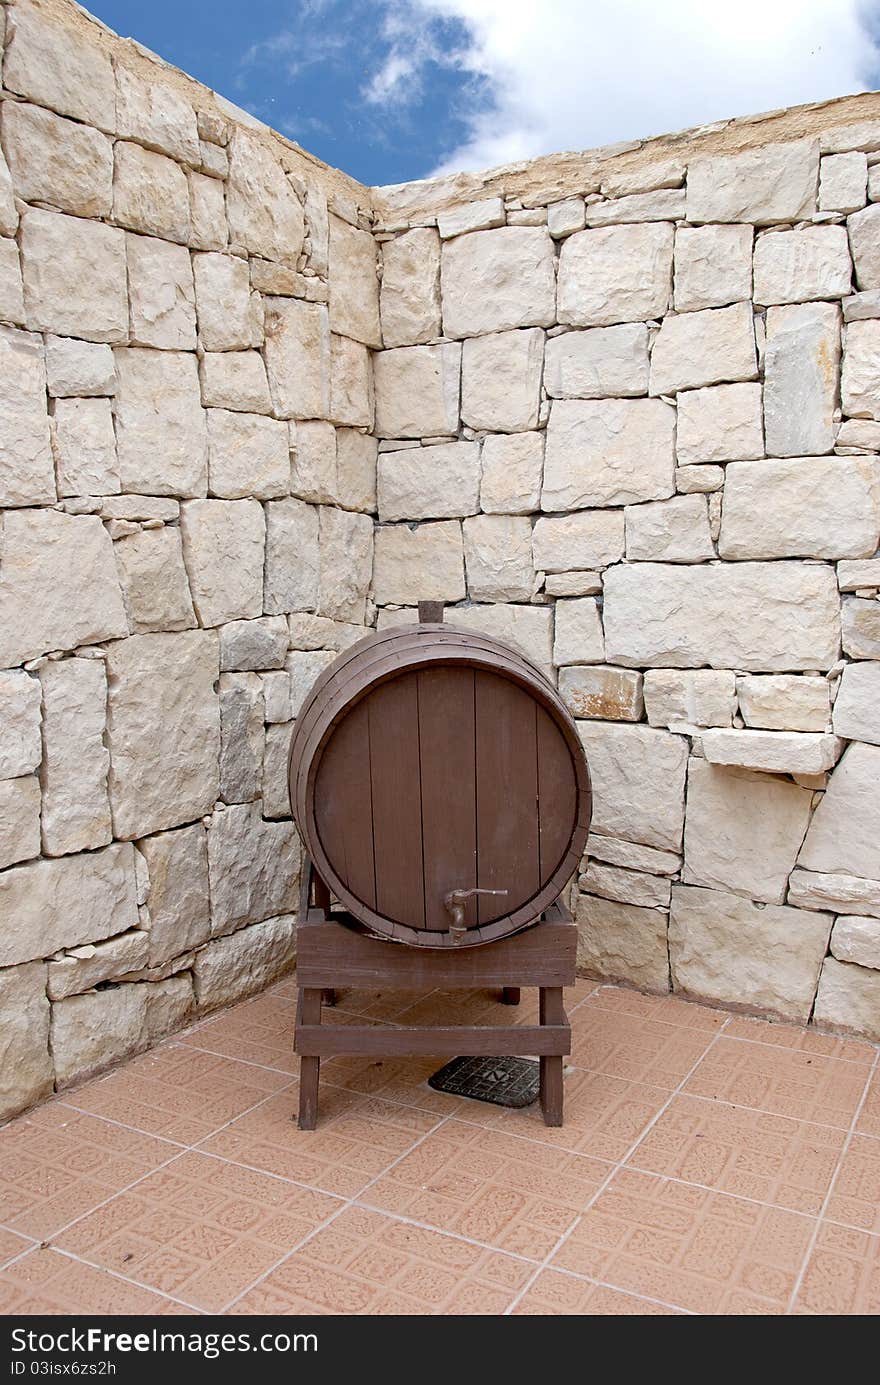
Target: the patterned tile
(202, 1230)
(56, 1163)
(688, 1247)
(356, 1139)
(46, 1282)
(11, 1245)
(856, 1196)
(784, 1081)
(843, 1274)
(668, 1008)
(749, 1153)
(364, 1262)
(868, 1122)
(804, 1040)
(258, 1031)
(640, 1050)
(402, 1080)
(556, 1294)
(490, 1187)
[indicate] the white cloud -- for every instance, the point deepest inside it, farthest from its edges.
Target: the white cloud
(572, 74)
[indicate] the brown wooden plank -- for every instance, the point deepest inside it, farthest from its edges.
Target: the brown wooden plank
(343, 805)
(507, 794)
(327, 1040)
(449, 828)
(393, 713)
(557, 794)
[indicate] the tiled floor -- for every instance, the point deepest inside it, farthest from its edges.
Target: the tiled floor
(708, 1164)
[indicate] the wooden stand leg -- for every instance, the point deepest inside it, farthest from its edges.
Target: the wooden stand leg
(551, 1012)
(309, 1067)
(510, 995)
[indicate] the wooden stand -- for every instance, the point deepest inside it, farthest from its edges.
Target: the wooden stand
(335, 950)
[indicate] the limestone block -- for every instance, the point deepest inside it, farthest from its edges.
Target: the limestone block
(253, 644)
(160, 426)
(351, 383)
(625, 886)
(73, 775)
(252, 866)
(848, 999)
(230, 316)
(669, 531)
(165, 743)
(150, 193)
(276, 695)
(8, 209)
(721, 424)
(844, 834)
(479, 215)
(783, 702)
(498, 557)
(155, 115)
(59, 66)
(621, 942)
(317, 226)
(704, 348)
(777, 752)
(19, 819)
(699, 480)
(241, 736)
(248, 455)
(859, 574)
(180, 916)
(775, 182)
(207, 212)
(89, 1032)
(662, 204)
(528, 628)
(857, 940)
(85, 967)
(579, 638)
(79, 368)
(861, 306)
(713, 266)
(235, 380)
(302, 668)
(49, 905)
(632, 855)
(313, 476)
(58, 585)
(417, 391)
(224, 548)
(52, 160)
(698, 697)
(723, 948)
(512, 471)
(860, 623)
(410, 294)
(154, 582)
(319, 632)
(74, 277)
(501, 380)
(297, 356)
(20, 744)
(26, 1073)
(842, 894)
(499, 279)
(345, 546)
(354, 287)
(169, 1005)
(356, 469)
(608, 452)
(291, 579)
(564, 218)
(638, 776)
(760, 617)
(742, 831)
(615, 274)
(84, 444)
(602, 693)
(795, 266)
(244, 963)
(11, 287)
(27, 474)
(265, 214)
(864, 240)
(860, 378)
(857, 706)
(800, 379)
(276, 793)
(842, 182)
(438, 482)
(810, 507)
(588, 539)
(597, 363)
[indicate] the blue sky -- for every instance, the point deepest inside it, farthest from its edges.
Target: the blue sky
(391, 90)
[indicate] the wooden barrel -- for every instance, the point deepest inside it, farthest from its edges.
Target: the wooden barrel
(428, 760)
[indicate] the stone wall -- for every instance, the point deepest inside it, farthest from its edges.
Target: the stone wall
(627, 406)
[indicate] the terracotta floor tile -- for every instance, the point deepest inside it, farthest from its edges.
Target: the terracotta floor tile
(843, 1274)
(356, 1139)
(402, 1080)
(781, 1080)
(47, 1282)
(640, 1050)
(490, 1187)
(686, 1246)
(11, 1244)
(482, 1007)
(557, 1294)
(668, 1008)
(856, 1196)
(57, 1162)
(748, 1153)
(177, 1092)
(258, 1031)
(201, 1229)
(868, 1122)
(805, 1040)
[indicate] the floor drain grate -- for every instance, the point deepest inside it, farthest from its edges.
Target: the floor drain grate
(503, 1081)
